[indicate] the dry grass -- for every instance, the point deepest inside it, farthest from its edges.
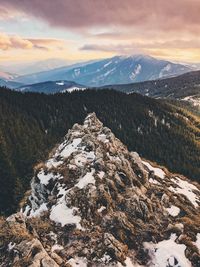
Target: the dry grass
(191, 224)
(39, 166)
(42, 225)
(12, 232)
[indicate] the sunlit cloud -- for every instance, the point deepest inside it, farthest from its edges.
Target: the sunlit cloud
(93, 29)
(14, 42)
(8, 42)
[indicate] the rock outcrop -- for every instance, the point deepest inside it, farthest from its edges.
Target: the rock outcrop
(94, 203)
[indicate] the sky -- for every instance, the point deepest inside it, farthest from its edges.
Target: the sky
(77, 30)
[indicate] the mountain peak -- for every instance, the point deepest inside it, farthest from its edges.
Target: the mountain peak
(104, 206)
(92, 121)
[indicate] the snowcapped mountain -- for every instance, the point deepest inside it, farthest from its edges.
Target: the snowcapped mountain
(51, 87)
(94, 203)
(116, 70)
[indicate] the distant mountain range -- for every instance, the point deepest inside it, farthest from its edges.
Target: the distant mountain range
(7, 80)
(51, 87)
(25, 68)
(9, 84)
(184, 87)
(7, 75)
(116, 70)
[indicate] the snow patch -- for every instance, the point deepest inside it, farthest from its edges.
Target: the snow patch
(101, 209)
(60, 83)
(87, 179)
(11, 245)
(167, 253)
(165, 70)
(135, 72)
(37, 212)
(56, 247)
(70, 148)
(186, 189)
(107, 64)
(173, 211)
(101, 174)
(45, 177)
(72, 89)
(60, 213)
(157, 171)
(74, 262)
(153, 181)
(103, 138)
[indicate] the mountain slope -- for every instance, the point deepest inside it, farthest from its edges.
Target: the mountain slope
(103, 206)
(116, 70)
(9, 84)
(31, 124)
(51, 87)
(184, 87)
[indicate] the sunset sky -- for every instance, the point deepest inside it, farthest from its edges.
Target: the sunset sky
(91, 29)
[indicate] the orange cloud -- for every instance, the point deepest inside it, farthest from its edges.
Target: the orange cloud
(8, 42)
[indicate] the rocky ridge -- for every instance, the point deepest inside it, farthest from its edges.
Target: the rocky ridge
(94, 203)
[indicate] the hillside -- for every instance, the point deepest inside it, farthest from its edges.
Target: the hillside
(116, 70)
(9, 84)
(31, 124)
(51, 87)
(94, 203)
(185, 87)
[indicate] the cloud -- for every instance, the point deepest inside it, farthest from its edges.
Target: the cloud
(165, 15)
(8, 42)
(48, 43)
(142, 46)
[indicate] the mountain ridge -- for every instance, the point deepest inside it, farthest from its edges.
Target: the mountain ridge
(51, 87)
(118, 69)
(172, 88)
(31, 123)
(103, 206)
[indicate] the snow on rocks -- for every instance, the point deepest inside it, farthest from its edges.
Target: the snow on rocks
(153, 181)
(167, 253)
(157, 171)
(60, 213)
(74, 88)
(86, 179)
(187, 189)
(76, 262)
(39, 210)
(103, 138)
(101, 208)
(173, 211)
(111, 198)
(11, 246)
(70, 148)
(45, 177)
(101, 174)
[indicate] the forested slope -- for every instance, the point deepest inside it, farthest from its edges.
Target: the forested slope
(31, 124)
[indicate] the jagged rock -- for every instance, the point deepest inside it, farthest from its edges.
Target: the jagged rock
(105, 205)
